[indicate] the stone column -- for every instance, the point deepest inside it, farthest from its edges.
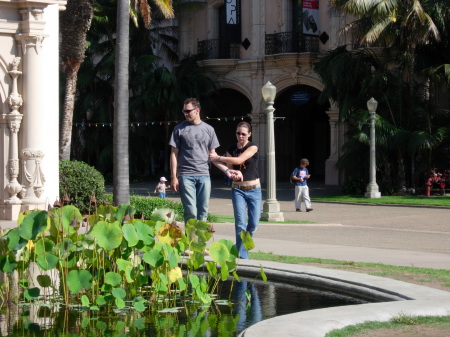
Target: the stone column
(331, 172)
(30, 43)
(14, 119)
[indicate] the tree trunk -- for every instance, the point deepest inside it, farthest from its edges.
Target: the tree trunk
(121, 175)
(69, 103)
(75, 21)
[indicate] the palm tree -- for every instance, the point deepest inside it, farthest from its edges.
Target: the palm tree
(75, 21)
(121, 176)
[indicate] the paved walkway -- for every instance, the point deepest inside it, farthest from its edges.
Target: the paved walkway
(397, 235)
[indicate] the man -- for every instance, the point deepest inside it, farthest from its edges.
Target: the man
(192, 142)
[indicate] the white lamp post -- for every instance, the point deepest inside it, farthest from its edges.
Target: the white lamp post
(372, 188)
(271, 207)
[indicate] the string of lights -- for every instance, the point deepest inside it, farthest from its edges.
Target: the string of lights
(160, 123)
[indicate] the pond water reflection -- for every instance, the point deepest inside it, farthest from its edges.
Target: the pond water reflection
(251, 302)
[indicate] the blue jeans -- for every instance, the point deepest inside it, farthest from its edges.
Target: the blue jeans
(244, 201)
(162, 195)
(195, 192)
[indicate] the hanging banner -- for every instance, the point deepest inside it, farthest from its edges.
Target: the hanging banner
(310, 17)
(233, 20)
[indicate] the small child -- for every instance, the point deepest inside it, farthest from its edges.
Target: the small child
(161, 187)
(300, 175)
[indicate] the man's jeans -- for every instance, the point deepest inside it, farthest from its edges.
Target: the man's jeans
(195, 192)
(242, 201)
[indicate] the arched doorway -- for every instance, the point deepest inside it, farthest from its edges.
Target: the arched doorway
(303, 133)
(228, 109)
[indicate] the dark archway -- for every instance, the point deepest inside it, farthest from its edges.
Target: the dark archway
(231, 107)
(304, 132)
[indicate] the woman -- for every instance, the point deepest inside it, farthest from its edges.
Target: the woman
(246, 194)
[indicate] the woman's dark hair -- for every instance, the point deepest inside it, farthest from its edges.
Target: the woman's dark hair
(245, 125)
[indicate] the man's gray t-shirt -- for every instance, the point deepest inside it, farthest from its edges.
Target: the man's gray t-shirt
(193, 141)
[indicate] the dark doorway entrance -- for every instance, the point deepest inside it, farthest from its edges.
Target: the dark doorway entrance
(304, 133)
(228, 109)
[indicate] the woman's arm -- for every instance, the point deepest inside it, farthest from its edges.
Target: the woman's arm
(229, 160)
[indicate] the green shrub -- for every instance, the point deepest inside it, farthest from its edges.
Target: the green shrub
(146, 205)
(354, 185)
(79, 180)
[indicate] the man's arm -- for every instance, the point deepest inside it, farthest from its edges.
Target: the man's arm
(232, 174)
(173, 169)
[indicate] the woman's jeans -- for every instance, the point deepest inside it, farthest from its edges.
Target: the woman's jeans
(195, 192)
(244, 201)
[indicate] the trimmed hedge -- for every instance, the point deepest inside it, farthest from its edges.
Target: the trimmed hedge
(79, 180)
(146, 205)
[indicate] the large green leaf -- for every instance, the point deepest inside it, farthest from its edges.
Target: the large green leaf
(113, 278)
(108, 235)
(47, 261)
(15, 242)
(219, 253)
(247, 240)
(130, 234)
(78, 280)
(154, 258)
(119, 293)
(8, 263)
(43, 245)
(44, 281)
(124, 210)
(33, 224)
(65, 220)
(31, 294)
(165, 215)
(145, 233)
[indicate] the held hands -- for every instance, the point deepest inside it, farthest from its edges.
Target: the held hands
(235, 175)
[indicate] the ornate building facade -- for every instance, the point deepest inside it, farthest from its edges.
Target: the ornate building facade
(243, 45)
(29, 105)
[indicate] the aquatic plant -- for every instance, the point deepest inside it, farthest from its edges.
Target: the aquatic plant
(109, 260)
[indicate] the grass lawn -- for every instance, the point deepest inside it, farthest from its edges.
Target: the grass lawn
(443, 201)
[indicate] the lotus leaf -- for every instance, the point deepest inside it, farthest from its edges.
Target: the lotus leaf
(32, 293)
(198, 259)
(101, 325)
(139, 323)
(145, 233)
(169, 234)
(219, 253)
(44, 281)
(65, 248)
(43, 246)
(224, 272)
(15, 241)
(47, 261)
(123, 210)
(8, 263)
(33, 224)
(181, 284)
(123, 264)
(130, 234)
(119, 293)
(113, 278)
(129, 274)
(247, 240)
(194, 280)
(104, 212)
(165, 215)
(100, 300)
(175, 274)
(78, 280)
(154, 258)
(62, 219)
(234, 254)
(84, 301)
(211, 267)
(263, 274)
(139, 305)
(108, 235)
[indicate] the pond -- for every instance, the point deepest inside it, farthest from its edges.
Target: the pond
(252, 301)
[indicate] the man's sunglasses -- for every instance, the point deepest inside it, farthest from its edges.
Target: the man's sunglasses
(187, 111)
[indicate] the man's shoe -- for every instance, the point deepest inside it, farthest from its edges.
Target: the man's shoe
(298, 210)
(309, 209)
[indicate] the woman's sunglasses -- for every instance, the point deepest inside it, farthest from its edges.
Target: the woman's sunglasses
(241, 134)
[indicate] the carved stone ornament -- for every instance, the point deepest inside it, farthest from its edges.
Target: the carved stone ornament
(32, 153)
